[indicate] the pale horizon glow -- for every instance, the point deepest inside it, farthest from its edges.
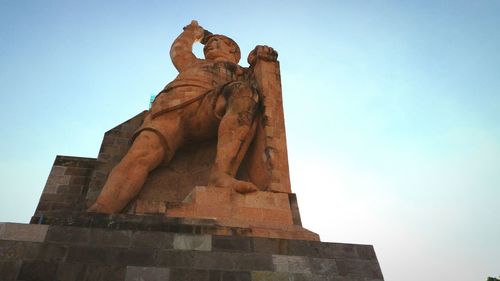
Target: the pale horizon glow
(392, 111)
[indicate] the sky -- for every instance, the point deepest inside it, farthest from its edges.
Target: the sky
(392, 110)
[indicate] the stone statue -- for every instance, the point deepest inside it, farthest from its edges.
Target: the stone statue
(210, 98)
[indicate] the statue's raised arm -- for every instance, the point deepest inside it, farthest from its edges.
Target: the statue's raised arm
(181, 51)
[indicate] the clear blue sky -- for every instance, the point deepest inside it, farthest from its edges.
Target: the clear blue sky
(392, 110)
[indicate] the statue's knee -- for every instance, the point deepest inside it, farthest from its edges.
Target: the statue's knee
(245, 118)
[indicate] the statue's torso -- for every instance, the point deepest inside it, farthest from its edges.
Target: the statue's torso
(202, 77)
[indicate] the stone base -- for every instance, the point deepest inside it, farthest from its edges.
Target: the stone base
(112, 250)
(266, 214)
(257, 209)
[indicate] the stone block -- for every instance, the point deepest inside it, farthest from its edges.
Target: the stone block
(50, 188)
(256, 210)
(188, 274)
(138, 273)
(232, 243)
(214, 260)
(268, 276)
(23, 232)
(58, 180)
(321, 266)
(366, 252)
(135, 256)
(301, 248)
(192, 242)
(95, 272)
(37, 271)
(270, 246)
(116, 238)
(249, 215)
(78, 180)
(65, 234)
(335, 250)
(277, 217)
(356, 268)
(253, 261)
(48, 252)
(321, 250)
(70, 271)
(172, 258)
(212, 211)
(9, 270)
(149, 207)
(294, 206)
(70, 189)
(285, 276)
(77, 171)
(11, 250)
(152, 239)
(91, 255)
(230, 276)
(57, 171)
(292, 264)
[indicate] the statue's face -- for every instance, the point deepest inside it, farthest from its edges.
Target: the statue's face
(218, 48)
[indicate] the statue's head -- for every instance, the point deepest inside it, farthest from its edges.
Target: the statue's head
(220, 46)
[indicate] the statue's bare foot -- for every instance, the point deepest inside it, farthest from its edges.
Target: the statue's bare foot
(225, 180)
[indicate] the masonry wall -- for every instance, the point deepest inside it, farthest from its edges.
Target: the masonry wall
(66, 185)
(65, 253)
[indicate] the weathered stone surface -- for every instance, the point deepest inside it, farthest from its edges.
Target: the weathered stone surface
(192, 242)
(268, 214)
(68, 234)
(102, 237)
(44, 251)
(269, 275)
(37, 270)
(9, 270)
(70, 271)
(327, 267)
(174, 256)
(253, 262)
(135, 256)
(94, 272)
(189, 274)
(152, 239)
(23, 232)
(292, 264)
(91, 255)
(230, 276)
(232, 243)
(270, 246)
(138, 273)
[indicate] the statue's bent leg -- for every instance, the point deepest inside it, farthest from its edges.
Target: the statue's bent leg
(234, 129)
(127, 178)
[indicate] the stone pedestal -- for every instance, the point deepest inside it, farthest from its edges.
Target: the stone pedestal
(153, 248)
(267, 214)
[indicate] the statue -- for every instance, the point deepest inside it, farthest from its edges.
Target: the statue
(210, 98)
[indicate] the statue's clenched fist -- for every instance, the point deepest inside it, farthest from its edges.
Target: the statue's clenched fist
(196, 29)
(262, 52)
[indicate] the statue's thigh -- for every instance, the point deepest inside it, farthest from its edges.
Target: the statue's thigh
(241, 98)
(169, 127)
(201, 121)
